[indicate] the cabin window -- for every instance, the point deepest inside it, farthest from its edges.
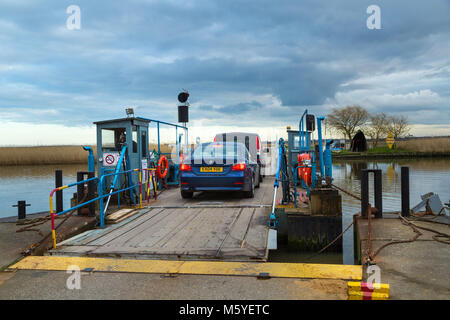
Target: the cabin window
(134, 137)
(144, 144)
(112, 139)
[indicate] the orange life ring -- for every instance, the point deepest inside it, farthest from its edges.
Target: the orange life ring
(162, 173)
(304, 173)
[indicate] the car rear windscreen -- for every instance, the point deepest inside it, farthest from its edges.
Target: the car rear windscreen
(219, 150)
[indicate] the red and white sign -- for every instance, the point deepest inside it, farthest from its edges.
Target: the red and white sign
(110, 159)
(144, 172)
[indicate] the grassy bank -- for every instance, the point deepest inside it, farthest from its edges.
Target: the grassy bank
(13, 156)
(423, 147)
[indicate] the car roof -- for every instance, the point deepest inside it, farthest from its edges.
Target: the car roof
(238, 134)
(223, 142)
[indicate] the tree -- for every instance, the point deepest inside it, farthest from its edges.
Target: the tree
(398, 126)
(347, 120)
(377, 127)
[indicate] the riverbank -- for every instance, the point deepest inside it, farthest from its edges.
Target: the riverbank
(391, 155)
(44, 155)
(408, 148)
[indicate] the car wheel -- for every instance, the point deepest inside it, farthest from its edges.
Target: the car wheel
(259, 180)
(251, 193)
(186, 194)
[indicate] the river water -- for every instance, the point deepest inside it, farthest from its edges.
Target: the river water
(426, 175)
(34, 183)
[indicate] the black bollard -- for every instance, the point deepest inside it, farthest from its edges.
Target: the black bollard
(88, 209)
(378, 194)
(59, 194)
(364, 192)
(405, 191)
(21, 209)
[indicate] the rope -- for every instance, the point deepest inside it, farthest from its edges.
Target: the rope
(415, 228)
(66, 216)
(369, 253)
(331, 243)
(346, 192)
(342, 233)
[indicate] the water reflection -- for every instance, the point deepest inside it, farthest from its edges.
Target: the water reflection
(33, 184)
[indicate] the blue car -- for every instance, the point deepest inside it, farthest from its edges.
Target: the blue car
(219, 166)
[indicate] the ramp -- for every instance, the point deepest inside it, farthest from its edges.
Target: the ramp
(193, 233)
(202, 228)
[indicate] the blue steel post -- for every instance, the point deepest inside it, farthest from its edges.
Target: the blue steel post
(100, 202)
(273, 219)
(159, 149)
(91, 159)
(319, 137)
(313, 171)
(119, 164)
(177, 146)
(187, 140)
(328, 159)
(294, 175)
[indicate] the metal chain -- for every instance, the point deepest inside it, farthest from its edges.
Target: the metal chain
(346, 192)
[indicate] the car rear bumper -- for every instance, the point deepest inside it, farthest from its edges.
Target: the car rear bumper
(212, 188)
(193, 182)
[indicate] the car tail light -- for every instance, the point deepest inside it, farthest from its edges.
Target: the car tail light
(238, 167)
(257, 143)
(185, 167)
(215, 139)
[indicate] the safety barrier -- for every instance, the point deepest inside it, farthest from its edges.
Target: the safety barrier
(368, 291)
(101, 195)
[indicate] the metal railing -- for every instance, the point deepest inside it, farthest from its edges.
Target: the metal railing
(149, 179)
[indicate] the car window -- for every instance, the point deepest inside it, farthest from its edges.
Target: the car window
(219, 150)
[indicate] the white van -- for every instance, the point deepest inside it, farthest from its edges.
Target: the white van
(251, 140)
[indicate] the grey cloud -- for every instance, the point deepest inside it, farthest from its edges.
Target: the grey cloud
(142, 52)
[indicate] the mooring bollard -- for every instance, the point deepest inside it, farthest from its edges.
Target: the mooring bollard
(405, 191)
(59, 194)
(89, 209)
(21, 209)
(377, 190)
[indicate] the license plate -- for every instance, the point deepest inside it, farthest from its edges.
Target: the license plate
(211, 169)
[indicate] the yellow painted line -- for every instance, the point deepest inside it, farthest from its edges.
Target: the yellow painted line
(284, 206)
(277, 270)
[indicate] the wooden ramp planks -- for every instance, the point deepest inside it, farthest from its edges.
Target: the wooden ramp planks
(210, 226)
(197, 233)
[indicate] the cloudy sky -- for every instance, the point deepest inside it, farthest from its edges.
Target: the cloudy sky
(254, 64)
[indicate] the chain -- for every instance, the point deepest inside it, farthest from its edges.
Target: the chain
(346, 192)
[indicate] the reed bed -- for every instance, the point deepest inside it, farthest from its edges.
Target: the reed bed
(426, 144)
(42, 155)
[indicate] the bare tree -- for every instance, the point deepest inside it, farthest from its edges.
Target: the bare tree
(347, 120)
(377, 127)
(398, 126)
